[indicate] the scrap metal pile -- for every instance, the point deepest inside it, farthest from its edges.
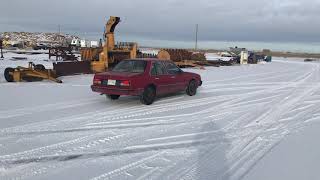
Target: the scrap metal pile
(67, 63)
(145, 55)
(243, 56)
(62, 53)
(185, 58)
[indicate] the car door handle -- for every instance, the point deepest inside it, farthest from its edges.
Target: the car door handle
(157, 78)
(173, 77)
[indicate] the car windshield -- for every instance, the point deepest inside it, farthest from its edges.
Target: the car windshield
(132, 66)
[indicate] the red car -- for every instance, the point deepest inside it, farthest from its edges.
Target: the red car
(146, 78)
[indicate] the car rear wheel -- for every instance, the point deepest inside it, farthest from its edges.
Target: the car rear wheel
(113, 97)
(148, 95)
(192, 88)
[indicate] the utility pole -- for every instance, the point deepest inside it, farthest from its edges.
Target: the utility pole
(1, 47)
(196, 46)
(59, 34)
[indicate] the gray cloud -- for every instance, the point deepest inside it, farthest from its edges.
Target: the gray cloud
(248, 20)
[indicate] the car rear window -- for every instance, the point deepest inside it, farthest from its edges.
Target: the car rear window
(132, 66)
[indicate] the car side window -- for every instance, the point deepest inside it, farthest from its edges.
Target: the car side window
(172, 68)
(157, 69)
(160, 68)
(153, 69)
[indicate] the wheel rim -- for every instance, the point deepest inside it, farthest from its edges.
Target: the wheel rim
(150, 94)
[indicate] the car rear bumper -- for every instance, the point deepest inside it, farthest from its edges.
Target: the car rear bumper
(115, 90)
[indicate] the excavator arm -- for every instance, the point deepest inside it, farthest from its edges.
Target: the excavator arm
(109, 34)
(112, 23)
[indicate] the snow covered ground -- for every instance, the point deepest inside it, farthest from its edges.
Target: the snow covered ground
(246, 122)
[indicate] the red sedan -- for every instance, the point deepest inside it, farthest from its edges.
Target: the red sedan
(146, 78)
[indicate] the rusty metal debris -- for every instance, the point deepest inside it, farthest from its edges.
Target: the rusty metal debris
(145, 55)
(62, 54)
(183, 57)
(70, 68)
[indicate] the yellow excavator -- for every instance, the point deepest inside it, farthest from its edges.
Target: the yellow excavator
(102, 57)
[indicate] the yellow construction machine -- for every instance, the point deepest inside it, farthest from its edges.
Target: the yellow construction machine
(102, 57)
(92, 59)
(32, 73)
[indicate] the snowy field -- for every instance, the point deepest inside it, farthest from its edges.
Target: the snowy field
(246, 122)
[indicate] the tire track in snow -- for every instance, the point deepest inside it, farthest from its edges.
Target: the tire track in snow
(47, 107)
(247, 76)
(185, 177)
(238, 167)
(72, 156)
(189, 120)
(62, 147)
(239, 99)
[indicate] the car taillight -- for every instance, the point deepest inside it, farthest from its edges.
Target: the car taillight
(96, 81)
(125, 83)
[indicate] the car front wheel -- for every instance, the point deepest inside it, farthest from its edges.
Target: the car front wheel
(113, 97)
(148, 95)
(192, 88)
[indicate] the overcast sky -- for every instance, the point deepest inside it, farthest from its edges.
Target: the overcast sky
(230, 20)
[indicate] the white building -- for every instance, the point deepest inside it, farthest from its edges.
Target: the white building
(75, 42)
(94, 44)
(83, 43)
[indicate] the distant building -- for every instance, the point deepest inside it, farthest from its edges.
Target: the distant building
(75, 42)
(94, 44)
(83, 43)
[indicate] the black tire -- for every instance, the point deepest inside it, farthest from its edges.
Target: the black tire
(192, 88)
(39, 67)
(113, 97)
(148, 96)
(7, 74)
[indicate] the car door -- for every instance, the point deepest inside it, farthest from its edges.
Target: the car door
(160, 77)
(177, 82)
